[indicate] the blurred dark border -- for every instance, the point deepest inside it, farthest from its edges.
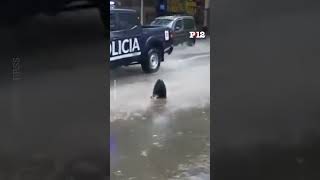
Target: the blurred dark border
(57, 108)
(265, 89)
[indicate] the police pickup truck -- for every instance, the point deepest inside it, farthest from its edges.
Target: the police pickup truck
(131, 43)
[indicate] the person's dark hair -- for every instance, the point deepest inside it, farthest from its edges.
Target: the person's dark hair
(159, 90)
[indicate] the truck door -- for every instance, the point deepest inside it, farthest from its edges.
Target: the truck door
(178, 31)
(125, 42)
(189, 25)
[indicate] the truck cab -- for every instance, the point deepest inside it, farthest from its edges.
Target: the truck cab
(181, 25)
(131, 43)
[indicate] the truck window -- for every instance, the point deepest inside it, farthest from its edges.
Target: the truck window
(188, 24)
(178, 25)
(160, 22)
(127, 20)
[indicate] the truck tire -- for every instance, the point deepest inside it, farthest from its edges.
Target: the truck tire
(152, 62)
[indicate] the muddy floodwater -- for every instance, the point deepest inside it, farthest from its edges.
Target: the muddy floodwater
(162, 139)
(171, 146)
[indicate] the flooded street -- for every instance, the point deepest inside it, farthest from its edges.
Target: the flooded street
(162, 139)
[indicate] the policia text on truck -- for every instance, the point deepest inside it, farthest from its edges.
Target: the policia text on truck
(131, 43)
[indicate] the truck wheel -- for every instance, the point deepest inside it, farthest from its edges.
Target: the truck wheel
(152, 63)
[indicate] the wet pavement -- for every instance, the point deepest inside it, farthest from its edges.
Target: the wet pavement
(162, 139)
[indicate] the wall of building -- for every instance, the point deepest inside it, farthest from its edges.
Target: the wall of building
(149, 8)
(197, 8)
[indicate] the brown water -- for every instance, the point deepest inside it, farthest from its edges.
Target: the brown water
(166, 145)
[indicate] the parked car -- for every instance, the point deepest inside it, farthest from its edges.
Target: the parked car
(181, 25)
(131, 43)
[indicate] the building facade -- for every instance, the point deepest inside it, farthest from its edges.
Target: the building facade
(154, 8)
